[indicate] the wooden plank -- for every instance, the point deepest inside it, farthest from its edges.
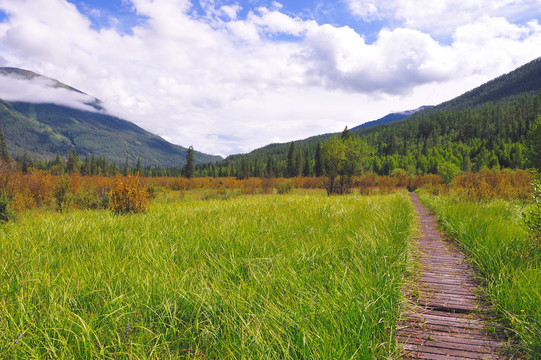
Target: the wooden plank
(442, 320)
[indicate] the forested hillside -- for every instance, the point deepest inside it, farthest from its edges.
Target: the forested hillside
(485, 127)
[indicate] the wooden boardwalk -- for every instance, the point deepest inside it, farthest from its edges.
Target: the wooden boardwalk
(443, 318)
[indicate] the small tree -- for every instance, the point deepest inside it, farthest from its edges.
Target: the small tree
(190, 167)
(342, 159)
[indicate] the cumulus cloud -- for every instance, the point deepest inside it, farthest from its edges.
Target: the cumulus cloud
(227, 83)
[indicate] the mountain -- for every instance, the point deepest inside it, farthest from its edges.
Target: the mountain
(484, 127)
(525, 79)
(44, 129)
(390, 118)
(279, 150)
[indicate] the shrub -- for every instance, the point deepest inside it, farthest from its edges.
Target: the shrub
(5, 211)
(61, 193)
(128, 195)
(91, 199)
(533, 216)
(285, 187)
(22, 200)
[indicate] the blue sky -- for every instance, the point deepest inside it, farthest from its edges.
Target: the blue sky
(231, 76)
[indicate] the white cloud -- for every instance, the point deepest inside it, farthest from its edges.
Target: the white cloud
(221, 83)
(442, 17)
(42, 90)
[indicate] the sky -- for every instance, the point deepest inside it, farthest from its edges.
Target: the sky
(231, 76)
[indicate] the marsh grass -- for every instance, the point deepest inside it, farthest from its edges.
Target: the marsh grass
(258, 277)
(494, 236)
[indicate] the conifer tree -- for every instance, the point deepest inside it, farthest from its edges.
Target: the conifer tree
(25, 163)
(73, 162)
(138, 165)
(190, 168)
(291, 168)
(345, 134)
(126, 170)
(299, 164)
(307, 169)
(319, 164)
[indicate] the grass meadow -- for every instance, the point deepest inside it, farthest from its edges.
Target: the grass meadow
(493, 235)
(298, 276)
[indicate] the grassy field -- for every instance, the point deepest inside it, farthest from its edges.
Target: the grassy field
(261, 277)
(509, 265)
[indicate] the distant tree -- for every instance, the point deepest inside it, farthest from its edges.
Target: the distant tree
(138, 166)
(126, 170)
(318, 167)
(346, 134)
(307, 169)
(299, 164)
(291, 168)
(271, 166)
(190, 168)
(73, 163)
(25, 162)
(4, 154)
(533, 144)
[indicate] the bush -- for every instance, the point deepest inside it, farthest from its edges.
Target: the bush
(91, 199)
(533, 216)
(61, 193)
(128, 196)
(5, 211)
(285, 187)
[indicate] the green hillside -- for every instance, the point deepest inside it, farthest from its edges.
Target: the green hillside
(45, 129)
(485, 127)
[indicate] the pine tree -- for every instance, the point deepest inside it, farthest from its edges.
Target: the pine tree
(319, 164)
(346, 134)
(126, 170)
(138, 165)
(73, 162)
(291, 168)
(25, 163)
(299, 164)
(307, 170)
(190, 167)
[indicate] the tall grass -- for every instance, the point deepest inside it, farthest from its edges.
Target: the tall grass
(492, 233)
(259, 277)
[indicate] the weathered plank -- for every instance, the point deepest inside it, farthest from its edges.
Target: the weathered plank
(444, 318)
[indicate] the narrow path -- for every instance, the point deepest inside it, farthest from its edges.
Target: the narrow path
(444, 318)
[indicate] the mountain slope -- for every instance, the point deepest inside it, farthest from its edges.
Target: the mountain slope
(279, 150)
(525, 79)
(389, 118)
(45, 129)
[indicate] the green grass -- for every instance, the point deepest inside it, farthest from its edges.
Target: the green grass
(259, 277)
(494, 236)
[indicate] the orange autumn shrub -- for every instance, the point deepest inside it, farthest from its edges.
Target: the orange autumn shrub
(424, 181)
(128, 195)
(491, 185)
